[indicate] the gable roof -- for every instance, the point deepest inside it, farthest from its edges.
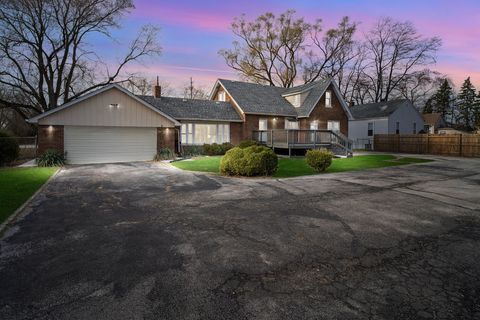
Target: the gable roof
(258, 99)
(377, 109)
(254, 98)
(432, 119)
(194, 109)
(94, 93)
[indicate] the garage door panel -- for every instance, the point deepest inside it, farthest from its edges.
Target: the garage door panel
(109, 144)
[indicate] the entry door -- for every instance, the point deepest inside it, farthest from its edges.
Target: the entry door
(313, 126)
(333, 125)
(263, 125)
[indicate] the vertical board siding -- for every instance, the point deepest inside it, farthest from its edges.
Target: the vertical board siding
(96, 111)
(463, 145)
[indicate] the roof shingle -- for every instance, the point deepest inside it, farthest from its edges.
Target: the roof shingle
(377, 109)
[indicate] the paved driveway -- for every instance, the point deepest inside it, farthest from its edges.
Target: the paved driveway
(146, 241)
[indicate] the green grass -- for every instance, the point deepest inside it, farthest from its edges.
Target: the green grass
(19, 184)
(294, 167)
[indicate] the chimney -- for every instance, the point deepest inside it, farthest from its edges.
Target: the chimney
(157, 90)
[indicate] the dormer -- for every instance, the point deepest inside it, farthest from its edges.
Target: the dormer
(296, 99)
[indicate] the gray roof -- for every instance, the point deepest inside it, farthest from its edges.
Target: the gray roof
(377, 109)
(193, 109)
(259, 99)
(263, 99)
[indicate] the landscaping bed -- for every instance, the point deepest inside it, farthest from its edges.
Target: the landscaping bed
(293, 167)
(17, 185)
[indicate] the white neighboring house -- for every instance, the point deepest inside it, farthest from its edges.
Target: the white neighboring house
(390, 117)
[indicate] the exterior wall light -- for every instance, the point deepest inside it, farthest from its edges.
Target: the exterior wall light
(113, 106)
(50, 128)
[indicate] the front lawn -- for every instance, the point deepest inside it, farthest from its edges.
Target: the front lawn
(293, 167)
(19, 184)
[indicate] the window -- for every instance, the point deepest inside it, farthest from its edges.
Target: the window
(328, 99)
(397, 127)
(291, 124)
(221, 96)
(414, 128)
(314, 125)
(370, 129)
(262, 124)
(426, 128)
(333, 125)
(200, 133)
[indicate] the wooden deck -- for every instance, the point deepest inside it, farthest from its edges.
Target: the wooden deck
(304, 139)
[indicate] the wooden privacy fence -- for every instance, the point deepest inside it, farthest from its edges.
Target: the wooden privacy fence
(463, 145)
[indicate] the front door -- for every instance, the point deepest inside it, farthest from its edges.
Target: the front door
(313, 126)
(263, 127)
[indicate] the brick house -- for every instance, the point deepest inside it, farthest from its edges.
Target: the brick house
(114, 125)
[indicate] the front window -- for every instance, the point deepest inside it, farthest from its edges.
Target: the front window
(397, 128)
(291, 124)
(414, 128)
(328, 99)
(370, 129)
(221, 96)
(262, 124)
(333, 125)
(200, 133)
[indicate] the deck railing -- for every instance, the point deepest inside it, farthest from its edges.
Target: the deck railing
(308, 139)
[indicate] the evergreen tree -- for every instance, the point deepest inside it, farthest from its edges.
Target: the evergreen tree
(466, 103)
(428, 108)
(444, 99)
(476, 112)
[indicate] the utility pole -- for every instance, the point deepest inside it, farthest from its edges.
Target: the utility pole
(191, 88)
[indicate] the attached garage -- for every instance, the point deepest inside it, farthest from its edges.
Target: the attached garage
(105, 126)
(109, 144)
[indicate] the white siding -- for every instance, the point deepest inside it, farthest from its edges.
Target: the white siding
(96, 111)
(406, 115)
(109, 144)
(358, 130)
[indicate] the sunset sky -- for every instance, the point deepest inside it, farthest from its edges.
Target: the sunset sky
(192, 32)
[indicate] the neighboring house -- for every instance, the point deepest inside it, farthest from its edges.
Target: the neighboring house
(114, 125)
(391, 117)
(432, 122)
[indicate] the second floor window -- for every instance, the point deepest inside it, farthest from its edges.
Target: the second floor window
(370, 129)
(221, 96)
(328, 99)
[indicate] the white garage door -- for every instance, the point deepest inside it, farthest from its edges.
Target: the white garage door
(109, 144)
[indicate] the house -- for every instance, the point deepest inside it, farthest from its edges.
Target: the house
(432, 122)
(390, 117)
(114, 125)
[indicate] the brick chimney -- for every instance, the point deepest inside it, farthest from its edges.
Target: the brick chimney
(157, 90)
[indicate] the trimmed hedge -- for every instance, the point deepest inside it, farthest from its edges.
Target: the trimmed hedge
(216, 149)
(164, 154)
(249, 161)
(319, 160)
(51, 158)
(192, 151)
(247, 143)
(9, 148)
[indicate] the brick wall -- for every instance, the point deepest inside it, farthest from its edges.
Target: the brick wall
(50, 137)
(323, 114)
(167, 138)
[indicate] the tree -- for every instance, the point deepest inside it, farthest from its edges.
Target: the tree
(142, 85)
(418, 86)
(466, 103)
(192, 92)
(269, 49)
(443, 100)
(44, 52)
(428, 108)
(476, 111)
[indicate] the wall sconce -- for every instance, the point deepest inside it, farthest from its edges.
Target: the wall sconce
(274, 119)
(113, 105)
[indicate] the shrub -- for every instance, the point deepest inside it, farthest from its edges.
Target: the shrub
(250, 161)
(247, 143)
(319, 160)
(164, 154)
(192, 151)
(51, 158)
(216, 149)
(9, 148)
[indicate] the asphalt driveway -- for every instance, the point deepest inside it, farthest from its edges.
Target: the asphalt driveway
(147, 241)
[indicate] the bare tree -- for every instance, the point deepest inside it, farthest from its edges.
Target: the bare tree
(419, 86)
(269, 49)
(331, 50)
(142, 85)
(44, 52)
(395, 51)
(190, 91)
